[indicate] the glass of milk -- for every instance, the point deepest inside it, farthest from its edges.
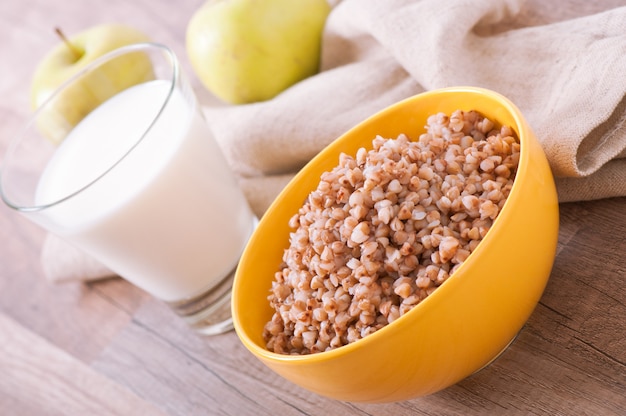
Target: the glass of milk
(120, 163)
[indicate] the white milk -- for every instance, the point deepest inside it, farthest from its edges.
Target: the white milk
(169, 217)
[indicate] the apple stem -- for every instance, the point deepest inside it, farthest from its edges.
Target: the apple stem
(77, 52)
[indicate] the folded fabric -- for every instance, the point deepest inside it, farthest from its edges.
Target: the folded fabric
(565, 72)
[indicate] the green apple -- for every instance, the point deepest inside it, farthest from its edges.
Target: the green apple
(249, 50)
(71, 56)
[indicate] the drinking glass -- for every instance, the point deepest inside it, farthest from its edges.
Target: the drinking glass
(119, 162)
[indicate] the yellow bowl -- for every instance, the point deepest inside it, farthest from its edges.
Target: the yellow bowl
(467, 322)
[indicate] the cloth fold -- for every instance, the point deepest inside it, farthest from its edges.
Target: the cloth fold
(564, 71)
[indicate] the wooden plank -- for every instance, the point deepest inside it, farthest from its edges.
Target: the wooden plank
(187, 374)
(40, 377)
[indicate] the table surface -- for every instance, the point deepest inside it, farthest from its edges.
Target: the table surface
(109, 348)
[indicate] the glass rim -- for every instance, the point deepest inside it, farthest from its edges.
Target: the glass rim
(17, 137)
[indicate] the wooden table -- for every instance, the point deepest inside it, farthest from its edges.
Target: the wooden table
(109, 348)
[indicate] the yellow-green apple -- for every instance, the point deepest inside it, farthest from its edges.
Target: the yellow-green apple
(68, 59)
(248, 50)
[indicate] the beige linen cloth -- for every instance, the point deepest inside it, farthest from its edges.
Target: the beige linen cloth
(565, 69)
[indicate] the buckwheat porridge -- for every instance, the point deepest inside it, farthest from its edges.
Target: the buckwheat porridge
(385, 228)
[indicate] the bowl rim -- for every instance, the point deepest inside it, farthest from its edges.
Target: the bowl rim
(522, 130)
